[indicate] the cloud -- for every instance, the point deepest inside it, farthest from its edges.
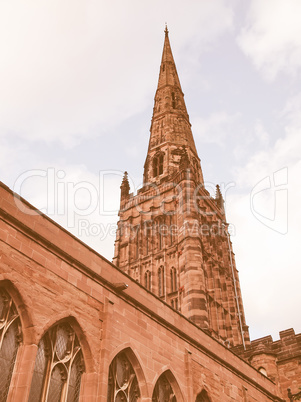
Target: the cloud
(84, 203)
(72, 70)
(216, 128)
(271, 37)
(261, 134)
(284, 153)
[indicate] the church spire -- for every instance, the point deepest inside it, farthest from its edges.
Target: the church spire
(170, 128)
(168, 72)
(168, 235)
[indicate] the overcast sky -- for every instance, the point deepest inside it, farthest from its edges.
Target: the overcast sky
(77, 83)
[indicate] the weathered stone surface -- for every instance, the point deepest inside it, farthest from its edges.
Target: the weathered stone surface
(48, 284)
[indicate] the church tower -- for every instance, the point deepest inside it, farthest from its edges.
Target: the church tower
(172, 236)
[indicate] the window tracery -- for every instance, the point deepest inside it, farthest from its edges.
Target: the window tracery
(58, 366)
(123, 384)
(10, 338)
(163, 391)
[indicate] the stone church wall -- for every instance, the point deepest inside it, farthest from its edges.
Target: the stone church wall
(52, 277)
(280, 360)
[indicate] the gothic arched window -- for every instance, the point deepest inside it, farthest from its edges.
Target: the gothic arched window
(10, 337)
(173, 280)
(161, 287)
(163, 391)
(147, 280)
(158, 164)
(123, 384)
(58, 367)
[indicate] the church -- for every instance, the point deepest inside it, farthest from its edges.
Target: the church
(165, 321)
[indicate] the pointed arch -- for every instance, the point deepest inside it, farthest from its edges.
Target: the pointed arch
(167, 388)
(28, 328)
(126, 378)
(59, 365)
(148, 280)
(203, 397)
(80, 333)
(10, 339)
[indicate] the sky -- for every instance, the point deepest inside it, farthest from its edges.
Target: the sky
(78, 80)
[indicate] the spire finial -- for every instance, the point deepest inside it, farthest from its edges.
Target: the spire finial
(219, 198)
(166, 30)
(125, 187)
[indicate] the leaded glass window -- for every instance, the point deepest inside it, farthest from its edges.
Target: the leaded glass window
(123, 384)
(163, 391)
(10, 337)
(58, 367)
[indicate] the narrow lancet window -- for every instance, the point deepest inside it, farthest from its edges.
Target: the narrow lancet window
(173, 280)
(147, 280)
(158, 162)
(161, 284)
(10, 337)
